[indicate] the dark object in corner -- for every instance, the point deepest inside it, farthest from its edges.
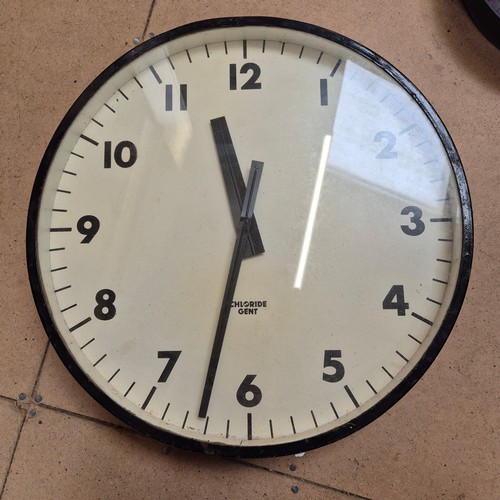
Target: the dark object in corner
(486, 16)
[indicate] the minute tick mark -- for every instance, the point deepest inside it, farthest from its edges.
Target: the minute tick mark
(336, 67)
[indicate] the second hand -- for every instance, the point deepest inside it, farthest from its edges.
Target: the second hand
(232, 279)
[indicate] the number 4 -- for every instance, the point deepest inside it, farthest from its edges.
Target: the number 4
(395, 299)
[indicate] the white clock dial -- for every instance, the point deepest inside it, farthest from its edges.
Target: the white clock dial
(257, 327)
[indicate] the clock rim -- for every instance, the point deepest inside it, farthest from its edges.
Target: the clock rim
(251, 451)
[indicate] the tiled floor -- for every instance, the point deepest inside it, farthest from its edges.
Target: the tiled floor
(440, 441)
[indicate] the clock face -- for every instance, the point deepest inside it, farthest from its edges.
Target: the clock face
(249, 237)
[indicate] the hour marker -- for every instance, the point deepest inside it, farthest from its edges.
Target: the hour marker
(323, 91)
(351, 395)
(441, 219)
(88, 139)
(387, 371)
(169, 97)
(334, 410)
(421, 318)
(271, 428)
(114, 375)
(110, 108)
(319, 58)
(336, 67)
(60, 229)
(138, 82)
(58, 269)
(155, 74)
(68, 308)
(433, 301)
(100, 359)
(314, 419)
(440, 281)
(98, 123)
(371, 387)
(401, 356)
(129, 389)
(244, 49)
(86, 344)
(121, 92)
(189, 56)
(148, 399)
(206, 425)
(407, 129)
(415, 339)
(62, 289)
(78, 325)
(249, 426)
(187, 413)
(165, 412)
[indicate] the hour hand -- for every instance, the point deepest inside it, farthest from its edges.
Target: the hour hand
(235, 185)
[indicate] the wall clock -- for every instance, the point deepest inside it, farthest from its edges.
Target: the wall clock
(249, 237)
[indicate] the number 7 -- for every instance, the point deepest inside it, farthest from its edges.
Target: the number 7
(172, 357)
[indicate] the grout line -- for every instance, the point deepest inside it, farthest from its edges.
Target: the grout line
(39, 374)
(21, 425)
(11, 459)
(298, 479)
(89, 419)
(150, 13)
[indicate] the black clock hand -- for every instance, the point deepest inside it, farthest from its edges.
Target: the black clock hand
(243, 234)
(235, 185)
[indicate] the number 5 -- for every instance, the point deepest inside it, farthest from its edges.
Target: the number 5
(330, 361)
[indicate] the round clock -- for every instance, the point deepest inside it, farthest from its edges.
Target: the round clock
(249, 237)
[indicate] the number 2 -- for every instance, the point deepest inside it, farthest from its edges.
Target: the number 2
(390, 140)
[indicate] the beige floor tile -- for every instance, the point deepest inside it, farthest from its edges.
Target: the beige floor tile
(60, 390)
(93, 461)
(11, 418)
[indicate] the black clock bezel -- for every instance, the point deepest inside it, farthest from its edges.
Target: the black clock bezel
(274, 449)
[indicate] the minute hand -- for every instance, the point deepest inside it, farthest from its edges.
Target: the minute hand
(233, 178)
(232, 278)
